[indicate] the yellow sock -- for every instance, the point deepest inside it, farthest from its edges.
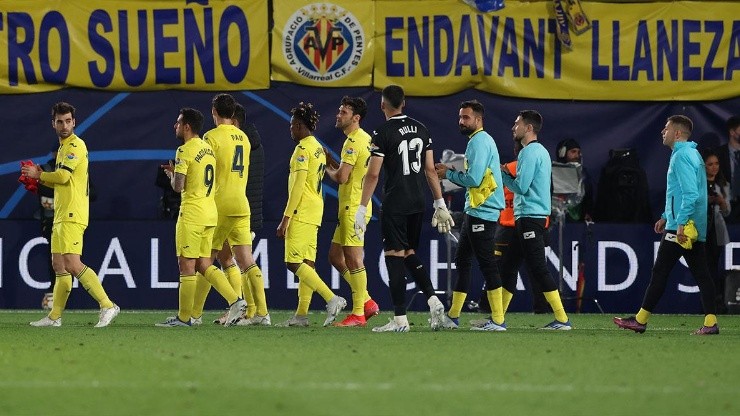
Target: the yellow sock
(506, 297)
(642, 316)
(304, 299)
(218, 280)
(709, 320)
(553, 298)
(234, 276)
(247, 293)
(308, 275)
(495, 299)
(458, 300)
(186, 295)
(358, 282)
(202, 288)
(62, 289)
(257, 286)
(91, 283)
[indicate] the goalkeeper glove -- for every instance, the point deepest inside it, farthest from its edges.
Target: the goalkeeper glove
(360, 225)
(442, 218)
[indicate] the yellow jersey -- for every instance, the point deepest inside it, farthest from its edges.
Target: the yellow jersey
(195, 160)
(72, 199)
(355, 152)
(231, 147)
(309, 156)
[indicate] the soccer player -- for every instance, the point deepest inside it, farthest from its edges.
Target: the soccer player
(346, 251)
(253, 287)
(403, 146)
(302, 216)
(484, 200)
(684, 228)
(532, 206)
(232, 237)
(71, 214)
(194, 175)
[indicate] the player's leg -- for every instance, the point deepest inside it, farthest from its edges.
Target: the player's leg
(73, 236)
(530, 232)
(187, 247)
(251, 275)
(217, 278)
(482, 234)
(463, 264)
(696, 259)
(393, 230)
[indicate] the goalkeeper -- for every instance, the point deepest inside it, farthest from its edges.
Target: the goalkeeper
(484, 200)
(404, 147)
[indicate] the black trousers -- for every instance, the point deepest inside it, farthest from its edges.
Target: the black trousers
(476, 239)
(669, 253)
(531, 234)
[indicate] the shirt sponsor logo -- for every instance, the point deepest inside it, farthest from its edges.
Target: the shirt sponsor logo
(476, 228)
(528, 235)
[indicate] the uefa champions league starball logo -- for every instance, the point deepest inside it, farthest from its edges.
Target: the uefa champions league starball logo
(323, 42)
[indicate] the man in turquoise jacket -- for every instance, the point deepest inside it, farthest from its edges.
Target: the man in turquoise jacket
(684, 228)
(484, 200)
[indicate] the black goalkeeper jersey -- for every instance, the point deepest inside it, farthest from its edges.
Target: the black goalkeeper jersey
(403, 143)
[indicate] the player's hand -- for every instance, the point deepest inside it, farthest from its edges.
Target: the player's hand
(441, 170)
(169, 169)
(680, 235)
(442, 218)
(283, 227)
(360, 225)
(330, 161)
(659, 226)
(31, 171)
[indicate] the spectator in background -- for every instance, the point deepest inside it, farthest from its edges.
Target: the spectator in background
(729, 161)
(717, 236)
(569, 151)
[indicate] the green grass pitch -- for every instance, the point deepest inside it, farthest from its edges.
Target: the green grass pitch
(134, 368)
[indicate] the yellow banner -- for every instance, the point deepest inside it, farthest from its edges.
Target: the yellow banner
(133, 45)
(654, 51)
(323, 43)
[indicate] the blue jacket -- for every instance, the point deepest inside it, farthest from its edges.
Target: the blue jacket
(531, 186)
(686, 191)
(484, 193)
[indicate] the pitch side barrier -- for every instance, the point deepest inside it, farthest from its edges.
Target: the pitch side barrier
(136, 262)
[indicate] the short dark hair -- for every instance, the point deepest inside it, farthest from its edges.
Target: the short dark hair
(192, 118)
(240, 114)
(682, 121)
(532, 117)
(733, 123)
(62, 108)
(474, 105)
(224, 105)
(306, 113)
(358, 105)
(394, 95)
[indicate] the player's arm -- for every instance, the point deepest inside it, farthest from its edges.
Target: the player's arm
(371, 179)
(431, 174)
(295, 193)
(473, 176)
(341, 174)
(58, 177)
(177, 181)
